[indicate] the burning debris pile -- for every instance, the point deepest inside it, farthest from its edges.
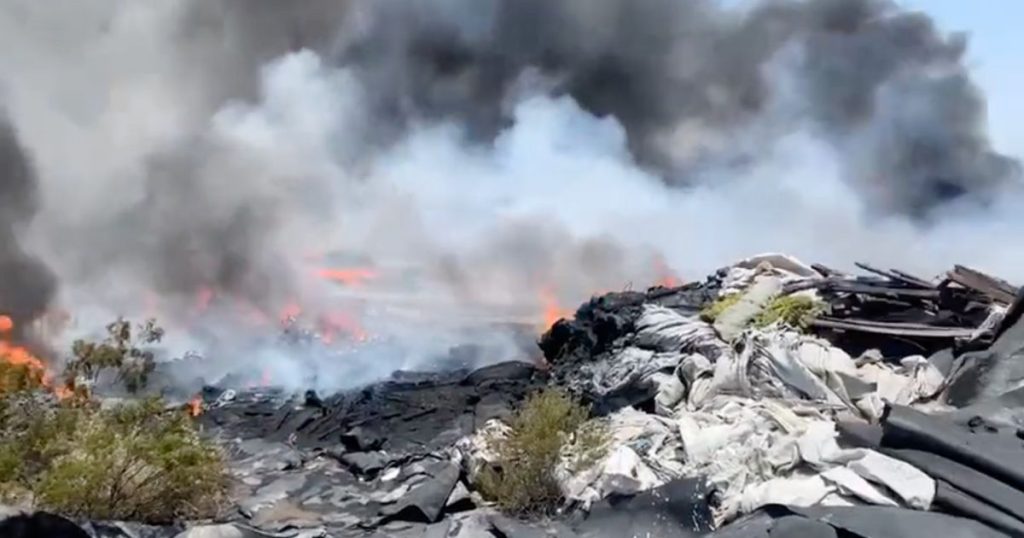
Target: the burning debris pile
(784, 384)
(773, 399)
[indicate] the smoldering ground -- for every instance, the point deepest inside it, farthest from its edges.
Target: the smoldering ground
(500, 147)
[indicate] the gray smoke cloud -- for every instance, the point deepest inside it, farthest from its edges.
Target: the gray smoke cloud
(480, 156)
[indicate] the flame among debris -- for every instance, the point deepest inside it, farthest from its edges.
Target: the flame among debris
(553, 311)
(666, 277)
(334, 323)
(195, 406)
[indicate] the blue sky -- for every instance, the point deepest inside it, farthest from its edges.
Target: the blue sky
(996, 56)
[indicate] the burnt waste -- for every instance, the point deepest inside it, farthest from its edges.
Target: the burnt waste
(929, 383)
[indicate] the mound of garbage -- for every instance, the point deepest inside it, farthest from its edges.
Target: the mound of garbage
(775, 398)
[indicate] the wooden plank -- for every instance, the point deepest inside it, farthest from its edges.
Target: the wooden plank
(897, 276)
(827, 271)
(911, 278)
(862, 288)
(877, 271)
(996, 289)
(895, 329)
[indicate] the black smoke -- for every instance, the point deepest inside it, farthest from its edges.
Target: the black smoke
(26, 284)
(884, 86)
(696, 86)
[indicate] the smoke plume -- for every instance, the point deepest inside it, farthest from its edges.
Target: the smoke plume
(26, 285)
(479, 154)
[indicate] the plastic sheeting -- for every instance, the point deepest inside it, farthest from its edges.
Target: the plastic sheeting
(979, 466)
(980, 447)
(987, 374)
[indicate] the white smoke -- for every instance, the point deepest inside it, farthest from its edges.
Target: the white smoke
(556, 201)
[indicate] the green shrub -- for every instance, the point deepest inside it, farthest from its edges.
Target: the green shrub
(136, 462)
(139, 461)
(16, 378)
(550, 428)
(711, 312)
(121, 351)
(795, 311)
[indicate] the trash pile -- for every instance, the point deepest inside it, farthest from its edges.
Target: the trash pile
(784, 384)
(773, 399)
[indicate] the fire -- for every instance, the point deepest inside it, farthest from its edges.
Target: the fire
(195, 406)
(19, 356)
(666, 277)
(349, 277)
(552, 310)
(333, 323)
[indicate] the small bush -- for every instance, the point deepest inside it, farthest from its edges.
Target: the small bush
(549, 424)
(139, 461)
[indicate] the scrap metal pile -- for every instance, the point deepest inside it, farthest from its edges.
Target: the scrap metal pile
(773, 399)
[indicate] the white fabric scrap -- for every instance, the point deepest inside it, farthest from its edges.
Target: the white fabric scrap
(809, 490)
(670, 392)
(779, 354)
(697, 374)
(850, 483)
(621, 472)
(916, 379)
(645, 453)
(666, 330)
(630, 367)
(912, 485)
(787, 268)
(739, 442)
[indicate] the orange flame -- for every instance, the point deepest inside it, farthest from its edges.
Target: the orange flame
(666, 277)
(20, 356)
(195, 406)
(552, 310)
(333, 323)
(349, 277)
